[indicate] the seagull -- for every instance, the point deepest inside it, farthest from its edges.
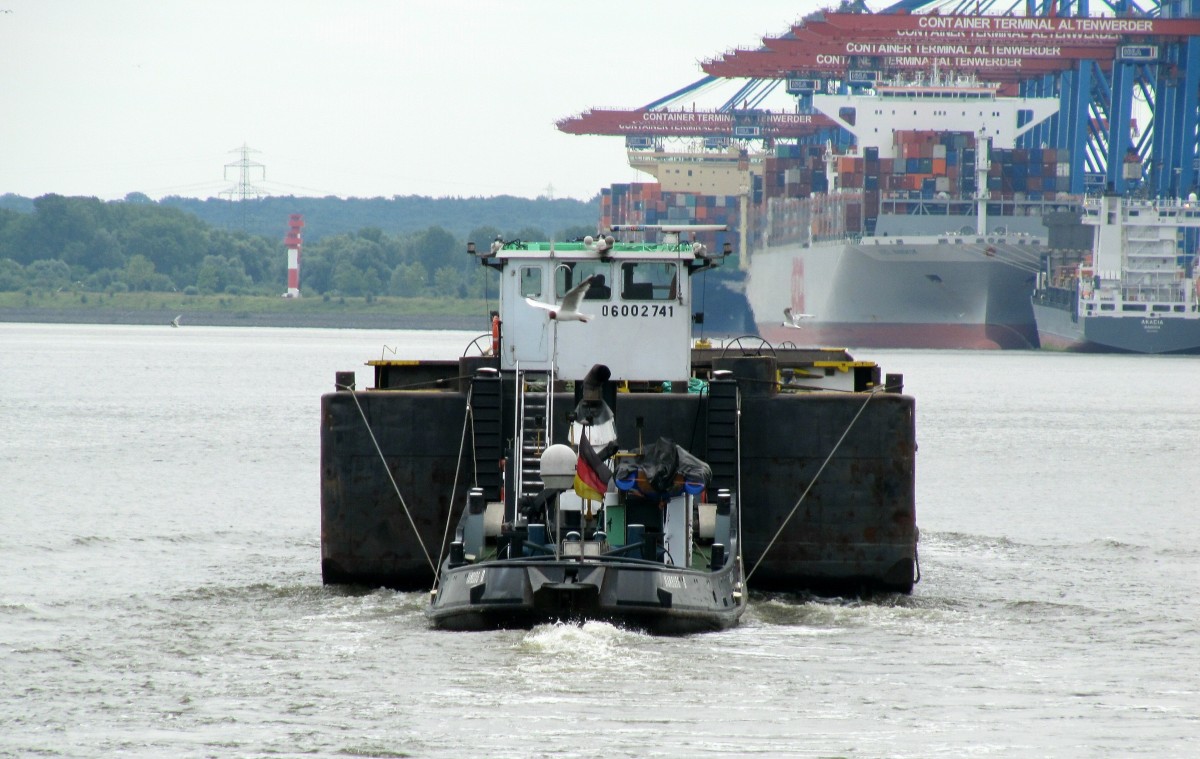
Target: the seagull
(793, 320)
(175, 321)
(568, 310)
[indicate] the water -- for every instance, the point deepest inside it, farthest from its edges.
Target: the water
(160, 590)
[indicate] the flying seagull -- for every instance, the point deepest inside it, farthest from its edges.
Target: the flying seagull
(175, 321)
(568, 310)
(794, 320)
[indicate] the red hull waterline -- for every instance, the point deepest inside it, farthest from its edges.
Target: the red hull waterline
(1051, 341)
(941, 336)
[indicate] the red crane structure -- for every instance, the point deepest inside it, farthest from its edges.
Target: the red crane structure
(1093, 64)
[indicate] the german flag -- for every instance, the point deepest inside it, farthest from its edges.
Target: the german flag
(591, 474)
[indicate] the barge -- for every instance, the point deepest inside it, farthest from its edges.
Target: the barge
(433, 477)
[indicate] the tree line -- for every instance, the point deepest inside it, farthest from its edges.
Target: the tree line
(55, 243)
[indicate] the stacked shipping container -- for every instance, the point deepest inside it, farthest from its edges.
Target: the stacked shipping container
(932, 173)
(647, 203)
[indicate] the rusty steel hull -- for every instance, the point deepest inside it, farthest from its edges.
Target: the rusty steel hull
(855, 530)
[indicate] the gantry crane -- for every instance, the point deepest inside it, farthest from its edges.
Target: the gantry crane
(1128, 100)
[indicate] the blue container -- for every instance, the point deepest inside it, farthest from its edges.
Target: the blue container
(635, 534)
(537, 535)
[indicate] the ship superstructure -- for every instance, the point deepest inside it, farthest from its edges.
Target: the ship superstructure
(1136, 291)
(947, 102)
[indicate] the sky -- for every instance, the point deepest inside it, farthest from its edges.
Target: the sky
(354, 98)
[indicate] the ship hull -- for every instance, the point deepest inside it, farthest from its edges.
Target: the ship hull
(1059, 329)
(520, 594)
(883, 293)
(846, 539)
(1117, 334)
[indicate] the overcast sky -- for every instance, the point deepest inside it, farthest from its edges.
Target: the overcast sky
(348, 98)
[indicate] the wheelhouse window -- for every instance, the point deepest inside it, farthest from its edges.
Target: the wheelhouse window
(531, 282)
(567, 275)
(649, 281)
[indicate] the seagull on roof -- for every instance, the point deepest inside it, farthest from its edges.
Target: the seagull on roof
(568, 310)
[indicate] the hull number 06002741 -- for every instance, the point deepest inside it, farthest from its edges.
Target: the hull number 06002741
(636, 310)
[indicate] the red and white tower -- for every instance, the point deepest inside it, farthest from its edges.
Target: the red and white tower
(292, 241)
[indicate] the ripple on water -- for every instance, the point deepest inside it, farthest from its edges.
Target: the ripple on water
(820, 613)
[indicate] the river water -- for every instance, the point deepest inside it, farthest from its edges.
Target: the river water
(160, 590)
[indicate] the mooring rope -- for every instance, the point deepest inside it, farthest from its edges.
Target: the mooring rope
(812, 482)
(436, 383)
(467, 418)
(388, 469)
(474, 450)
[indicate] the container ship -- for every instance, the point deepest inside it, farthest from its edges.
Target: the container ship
(1136, 289)
(910, 237)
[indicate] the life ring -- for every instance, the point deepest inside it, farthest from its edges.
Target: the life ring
(495, 334)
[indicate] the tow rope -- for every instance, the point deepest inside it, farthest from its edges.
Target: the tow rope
(812, 482)
(386, 468)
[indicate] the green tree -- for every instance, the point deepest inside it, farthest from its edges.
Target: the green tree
(577, 232)
(174, 242)
(103, 280)
(140, 274)
(483, 237)
(12, 275)
(104, 251)
(447, 282)
(217, 274)
(531, 234)
(48, 274)
(435, 248)
(348, 279)
(59, 221)
(316, 274)
(408, 280)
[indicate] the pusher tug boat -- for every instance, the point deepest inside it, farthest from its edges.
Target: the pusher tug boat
(600, 521)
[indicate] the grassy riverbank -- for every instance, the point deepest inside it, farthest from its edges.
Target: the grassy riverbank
(243, 310)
